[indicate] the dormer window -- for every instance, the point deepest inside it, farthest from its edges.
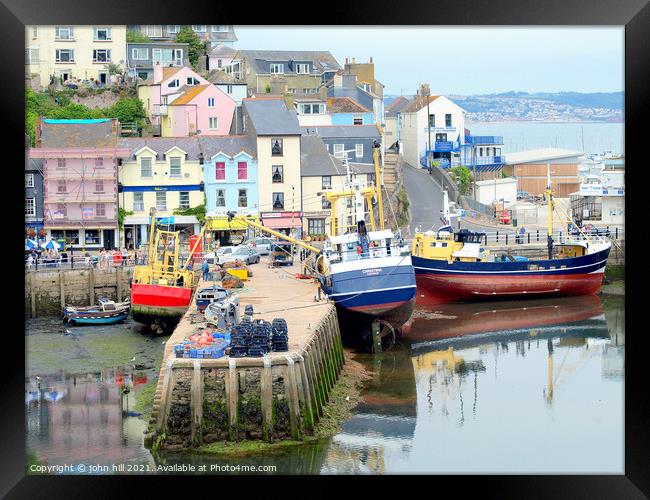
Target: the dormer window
(192, 81)
(173, 84)
(302, 68)
(277, 68)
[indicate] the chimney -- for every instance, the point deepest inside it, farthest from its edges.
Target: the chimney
(354, 60)
(346, 60)
(370, 60)
(157, 73)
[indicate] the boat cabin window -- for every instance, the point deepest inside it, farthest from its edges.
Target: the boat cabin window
(465, 236)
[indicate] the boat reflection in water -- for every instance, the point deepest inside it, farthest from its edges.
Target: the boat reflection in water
(504, 379)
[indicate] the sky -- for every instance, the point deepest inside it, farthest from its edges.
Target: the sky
(464, 60)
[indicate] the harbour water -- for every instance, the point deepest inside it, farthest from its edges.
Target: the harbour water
(519, 136)
(510, 387)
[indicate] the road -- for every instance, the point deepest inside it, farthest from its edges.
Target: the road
(425, 195)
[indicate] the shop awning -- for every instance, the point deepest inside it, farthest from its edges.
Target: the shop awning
(222, 224)
(282, 222)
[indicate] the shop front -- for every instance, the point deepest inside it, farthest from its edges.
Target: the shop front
(227, 232)
(87, 238)
(289, 223)
(317, 224)
(136, 228)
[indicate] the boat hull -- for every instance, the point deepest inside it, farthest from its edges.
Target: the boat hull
(368, 290)
(159, 304)
(105, 320)
(441, 282)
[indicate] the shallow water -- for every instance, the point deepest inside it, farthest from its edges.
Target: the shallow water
(511, 387)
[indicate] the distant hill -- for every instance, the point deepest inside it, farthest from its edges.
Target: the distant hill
(485, 102)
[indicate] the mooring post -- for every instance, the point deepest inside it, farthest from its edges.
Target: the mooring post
(91, 286)
(291, 391)
(376, 337)
(266, 396)
(306, 390)
(62, 288)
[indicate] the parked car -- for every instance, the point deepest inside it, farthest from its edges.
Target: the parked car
(212, 257)
(263, 245)
(281, 255)
(504, 217)
(244, 253)
(523, 195)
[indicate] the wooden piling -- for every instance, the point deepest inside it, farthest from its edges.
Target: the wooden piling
(291, 394)
(62, 288)
(118, 281)
(196, 396)
(232, 392)
(91, 285)
(266, 397)
(32, 294)
(303, 385)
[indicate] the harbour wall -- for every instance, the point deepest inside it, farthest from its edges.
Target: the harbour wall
(275, 397)
(46, 292)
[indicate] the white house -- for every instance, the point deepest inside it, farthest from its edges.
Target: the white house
(444, 127)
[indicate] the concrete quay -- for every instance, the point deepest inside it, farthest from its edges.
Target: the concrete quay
(278, 396)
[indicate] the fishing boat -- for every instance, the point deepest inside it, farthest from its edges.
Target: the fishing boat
(161, 291)
(455, 267)
(366, 272)
(106, 312)
(205, 296)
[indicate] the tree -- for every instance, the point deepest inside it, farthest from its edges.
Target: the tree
(75, 111)
(196, 47)
(133, 36)
(127, 110)
(462, 177)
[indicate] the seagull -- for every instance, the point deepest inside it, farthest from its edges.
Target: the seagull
(133, 358)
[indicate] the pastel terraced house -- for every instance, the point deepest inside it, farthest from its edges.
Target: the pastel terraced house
(180, 103)
(165, 173)
(80, 159)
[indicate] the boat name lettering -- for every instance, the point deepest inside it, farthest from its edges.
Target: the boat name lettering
(372, 272)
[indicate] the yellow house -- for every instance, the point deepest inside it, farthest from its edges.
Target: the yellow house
(72, 53)
(277, 134)
(165, 173)
(320, 173)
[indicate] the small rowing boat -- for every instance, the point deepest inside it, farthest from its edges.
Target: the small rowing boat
(105, 313)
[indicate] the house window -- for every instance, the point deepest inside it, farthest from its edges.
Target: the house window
(61, 187)
(447, 120)
(161, 200)
(220, 28)
(192, 81)
(357, 120)
(432, 120)
(64, 33)
(60, 163)
(29, 180)
(220, 172)
(64, 55)
(242, 198)
(152, 30)
(31, 56)
(302, 68)
(99, 162)
(309, 91)
(276, 147)
(210, 102)
(91, 236)
(358, 150)
(291, 91)
(277, 68)
(199, 28)
(212, 123)
(327, 182)
(173, 28)
(229, 89)
(145, 167)
(138, 202)
(102, 34)
(100, 210)
(35, 32)
(371, 179)
(61, 210)
(242, 170)
(30, 207)
(326, 203)
(278, 173)
(221, 198)
(174, 166)
(173, 84)
(315, 226)
(99, 186)
(338, 151)
(139, 54)
(219, 63)
(101, 55)
(278, 201)
(184, 199)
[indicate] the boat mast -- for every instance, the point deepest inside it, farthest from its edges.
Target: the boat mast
(549, 199)
(375, 157)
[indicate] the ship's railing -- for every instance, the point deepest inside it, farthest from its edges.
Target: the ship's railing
(396, 250)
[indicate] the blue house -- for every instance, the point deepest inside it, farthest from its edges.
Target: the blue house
(346, 111)
(230, 174)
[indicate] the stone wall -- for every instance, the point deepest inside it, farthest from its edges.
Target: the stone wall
(233, 399)
(46, 292)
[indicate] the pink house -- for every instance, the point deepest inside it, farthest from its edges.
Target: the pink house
(80, 180)
(180, 102)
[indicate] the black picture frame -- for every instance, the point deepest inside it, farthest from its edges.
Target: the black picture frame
(633, 14)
